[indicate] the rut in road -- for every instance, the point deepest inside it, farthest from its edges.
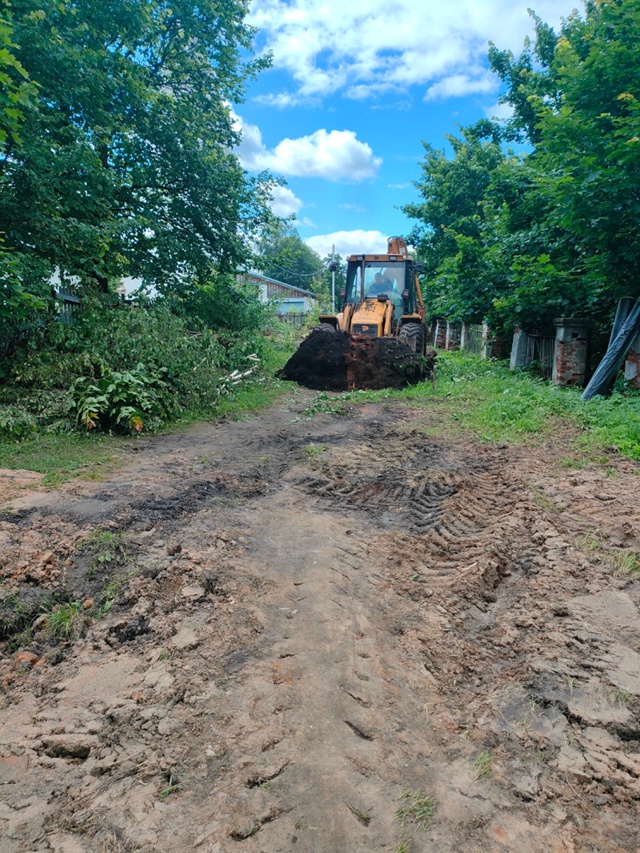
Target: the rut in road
(326, 620)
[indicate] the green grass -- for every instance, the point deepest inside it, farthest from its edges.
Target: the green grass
(416, 807)
(625, 561)
(63, 456)
(483, 764)
(251, 398)
(501, 406)
(63, 620)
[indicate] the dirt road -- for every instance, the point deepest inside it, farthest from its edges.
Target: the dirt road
(321, 633)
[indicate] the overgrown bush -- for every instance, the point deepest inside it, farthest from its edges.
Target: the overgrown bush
(121, 401)
(92, 369)
(16, 423)
(23, 413)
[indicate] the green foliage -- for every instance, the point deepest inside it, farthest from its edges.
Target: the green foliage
(554, 231)
(451, 221)
(122, 369)
(322, 288)
(416, 807)
(19, 307)
(23, 414)
(126, 162)
(121, 402)
(223, 303)
(16, 423)
(580, 108)
(282, 255)
(16, 91)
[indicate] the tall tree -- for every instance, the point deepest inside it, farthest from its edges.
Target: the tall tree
(16, 90)
(283, 255)
(581, 109)
(451, 219)
(17, 304)
(127, 163)
(555, 230)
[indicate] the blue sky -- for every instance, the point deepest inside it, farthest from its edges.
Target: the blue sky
(353, 90)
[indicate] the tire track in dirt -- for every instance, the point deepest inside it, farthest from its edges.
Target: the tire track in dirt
(321, 614)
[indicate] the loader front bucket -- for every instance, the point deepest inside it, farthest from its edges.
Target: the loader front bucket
(337, 361)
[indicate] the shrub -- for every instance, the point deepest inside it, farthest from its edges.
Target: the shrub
(92, 369)
(121, 401)
(16, 423)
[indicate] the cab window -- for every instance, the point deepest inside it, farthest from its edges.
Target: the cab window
(354, 283)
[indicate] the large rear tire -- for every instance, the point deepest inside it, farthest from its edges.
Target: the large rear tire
(326, 327)
(414, 335)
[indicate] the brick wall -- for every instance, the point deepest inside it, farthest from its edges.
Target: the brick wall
(570, 359)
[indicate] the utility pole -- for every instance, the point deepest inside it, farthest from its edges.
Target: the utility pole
(333, 267)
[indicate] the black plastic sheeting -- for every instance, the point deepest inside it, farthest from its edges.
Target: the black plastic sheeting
(619, 346)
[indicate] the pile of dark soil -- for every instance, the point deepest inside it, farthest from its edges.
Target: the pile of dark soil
(337, 361)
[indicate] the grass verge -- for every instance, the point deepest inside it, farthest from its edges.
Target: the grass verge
(63, 456)
(508, 407)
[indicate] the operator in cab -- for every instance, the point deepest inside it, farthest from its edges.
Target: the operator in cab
(383, 284)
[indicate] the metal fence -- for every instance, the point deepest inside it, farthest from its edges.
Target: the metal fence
(292, 319)
(539, 354)
(67, 306)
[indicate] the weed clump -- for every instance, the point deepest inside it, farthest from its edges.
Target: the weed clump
(483, 764)
(417, 807)
(65, 621)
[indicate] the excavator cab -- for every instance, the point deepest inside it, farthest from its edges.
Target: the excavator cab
(369, 278)
(382, 298)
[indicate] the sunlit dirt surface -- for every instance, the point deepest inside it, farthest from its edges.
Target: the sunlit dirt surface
(324, 633)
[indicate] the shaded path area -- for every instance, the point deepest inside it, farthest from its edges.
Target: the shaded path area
(311, 632)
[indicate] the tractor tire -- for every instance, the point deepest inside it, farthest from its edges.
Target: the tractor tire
(414, 335)
(326, 327)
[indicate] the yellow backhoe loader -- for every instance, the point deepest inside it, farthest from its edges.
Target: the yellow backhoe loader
(378, 337)
(382, 298)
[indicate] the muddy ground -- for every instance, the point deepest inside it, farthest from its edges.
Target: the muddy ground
(322, 633)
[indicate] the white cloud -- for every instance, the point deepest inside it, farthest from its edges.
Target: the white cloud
(459, 85)
(366, 47)
(356, 208)
(404, 186)
(349, 243)
(499, 111)
(336, 155)
(284, 202)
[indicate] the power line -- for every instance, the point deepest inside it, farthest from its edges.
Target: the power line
(299, 274)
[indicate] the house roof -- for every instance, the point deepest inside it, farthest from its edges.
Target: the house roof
(268, 280)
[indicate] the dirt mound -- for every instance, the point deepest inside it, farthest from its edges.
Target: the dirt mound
(337, 361)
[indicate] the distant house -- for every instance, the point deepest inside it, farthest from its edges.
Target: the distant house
(289, 299)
